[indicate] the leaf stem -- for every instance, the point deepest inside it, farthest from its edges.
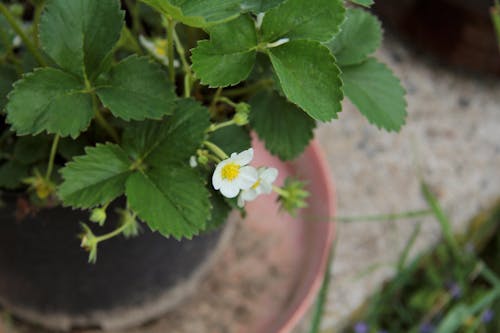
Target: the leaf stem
(212, 108)
(188, 79)
(115, 232)
(170, 48)
(103, 122)
(281, 191)
(248, 89)
(36, 22)
(53, 151)
(215, 127)
(19, 31)
(216, 150)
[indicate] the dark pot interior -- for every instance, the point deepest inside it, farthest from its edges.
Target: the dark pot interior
(459, 32)
(44, 273)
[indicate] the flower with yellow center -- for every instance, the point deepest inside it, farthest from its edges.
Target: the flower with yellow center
(233, 174)
(263, 185)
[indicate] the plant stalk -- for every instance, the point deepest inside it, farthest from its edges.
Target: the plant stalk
(19, 31)
(170, 48)
(52, 157)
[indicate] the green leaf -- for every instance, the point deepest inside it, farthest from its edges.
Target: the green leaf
(229, 56)
(360, 36)
(232, 139)
(80, 34)
(49, 100)
(171, 200)
(365, 3)
(303, 19)
(12, 173)
(377, 93)
(170, 141)
(259, 6)
(198, 13)
(7, 77)
(137, 89)
(273, 116)
(95, 178)
(309, 77)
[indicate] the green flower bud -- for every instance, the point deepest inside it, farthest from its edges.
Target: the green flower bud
(98, 215)
(241, 116)
(89, 242)
(293, 196)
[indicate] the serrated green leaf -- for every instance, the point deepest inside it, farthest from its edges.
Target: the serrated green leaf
(95, 178)
(303, 19)
(171, 200)
(80, 34)
(309, 77)
(12, 173)
(137, 89)
(232, 139)
(259, 6)
(229, 56)
(49, 100)
(377, 93)
(365, 3)
(198, 13)
(170, 141)
(360, 36)
(285, 129)
(7, 77)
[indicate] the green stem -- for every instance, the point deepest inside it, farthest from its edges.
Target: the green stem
(188, 79)
(280, 191)
(52, 157)
(384, 217)
(213, 104)
(495, 17)
(19, 31)
(248, 89)
(216, 150)
(170, 48)
(115, 232)
(215, 127)
(227, 101)
(135, 14)
(36, 22)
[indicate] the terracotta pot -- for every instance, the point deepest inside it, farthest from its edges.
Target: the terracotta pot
(34, 258)
(459, 32)
(45, 277)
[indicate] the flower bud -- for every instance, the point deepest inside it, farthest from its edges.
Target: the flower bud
(98, 215)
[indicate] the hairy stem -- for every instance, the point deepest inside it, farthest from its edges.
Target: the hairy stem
(216, 150)
(188, 79)
(20, 32)
(52, 157)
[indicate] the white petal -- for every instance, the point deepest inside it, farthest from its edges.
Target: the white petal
(265, 188)
(244, 157)
(241, 201)
(249, 195)
(269, 175)
(229, 190)
(217, 176)
(247, 177)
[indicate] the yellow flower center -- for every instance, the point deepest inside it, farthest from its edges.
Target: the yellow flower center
(230, 171)
(257, 183)
(160, 51)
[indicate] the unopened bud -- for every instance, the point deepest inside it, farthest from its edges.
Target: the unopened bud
(98, 215)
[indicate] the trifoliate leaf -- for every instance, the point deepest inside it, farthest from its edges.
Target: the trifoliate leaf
(49, 100)
(80, 34)
(171, 200)
(169, 141)
(360, 36)
(232, 139)
(198, 13)
(229, 56)
(377, 93)
(12, 173)
(303, 19)
(137, 89)
(309, 77)
(285, 129)
(259, 6)
(365, 3)
(7, 77)
(95, 178)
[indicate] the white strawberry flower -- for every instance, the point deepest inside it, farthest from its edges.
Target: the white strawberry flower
(157, 48)
(233, 174)
(263, 185)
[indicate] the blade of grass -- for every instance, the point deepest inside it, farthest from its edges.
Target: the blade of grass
(406, 251)
(442, 219)
(323, 293)
(384, 217)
